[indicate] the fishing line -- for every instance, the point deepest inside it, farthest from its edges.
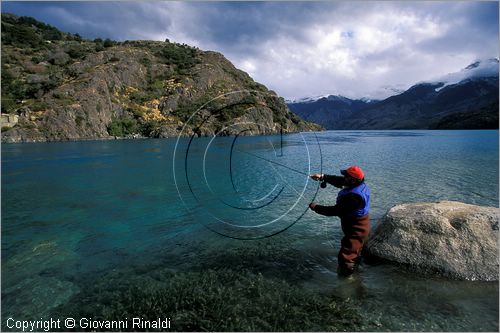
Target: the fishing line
(257, 207)
(199, 202)
(258, 237)
(270, 161)
(285, 181)
(231, 169)
(231, 176)
(279, 173)
(231, 159)
(314, 197)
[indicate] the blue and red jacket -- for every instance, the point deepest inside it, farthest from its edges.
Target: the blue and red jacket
(352, 202)
(361, 208)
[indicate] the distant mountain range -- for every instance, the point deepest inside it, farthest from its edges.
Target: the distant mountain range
(467, 99)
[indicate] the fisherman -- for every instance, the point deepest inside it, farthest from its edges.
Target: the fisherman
(352, 206)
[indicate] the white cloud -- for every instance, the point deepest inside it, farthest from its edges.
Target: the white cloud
(382, 49)
(249, 67)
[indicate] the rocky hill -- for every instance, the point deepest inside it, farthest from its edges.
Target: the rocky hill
(467, 99)
(59, 86)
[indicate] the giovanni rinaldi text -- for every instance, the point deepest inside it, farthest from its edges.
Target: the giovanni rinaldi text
(87, 323)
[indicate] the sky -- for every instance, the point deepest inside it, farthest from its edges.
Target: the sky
(355, 49)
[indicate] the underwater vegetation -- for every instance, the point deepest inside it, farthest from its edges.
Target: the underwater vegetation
(222, 300)
(218, 294)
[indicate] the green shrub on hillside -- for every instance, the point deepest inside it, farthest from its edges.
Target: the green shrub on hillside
(9, 105)
(147, 128)
(99, 47)
(145, 61)
(136, 112)
(13, 91)
(76, 52)
(108, 42)
(126, 125)
(37, 89)
(183, 56)
(26, 31)
(122, 127)
(39, 106)
(154, 90)
(99, 44)
(140, 97)
(20, 36)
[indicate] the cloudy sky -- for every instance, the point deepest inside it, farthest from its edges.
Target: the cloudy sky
(355, 49)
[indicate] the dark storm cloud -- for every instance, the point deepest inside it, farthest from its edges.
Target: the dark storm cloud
(114, 20)
(225, 23)
(244, 25)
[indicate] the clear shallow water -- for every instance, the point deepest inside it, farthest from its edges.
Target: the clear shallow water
(75, 213)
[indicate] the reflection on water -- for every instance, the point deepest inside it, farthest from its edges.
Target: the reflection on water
(98, 229)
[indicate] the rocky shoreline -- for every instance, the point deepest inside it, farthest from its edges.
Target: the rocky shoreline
(127, 137)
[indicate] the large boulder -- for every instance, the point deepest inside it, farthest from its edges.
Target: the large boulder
(453, 239)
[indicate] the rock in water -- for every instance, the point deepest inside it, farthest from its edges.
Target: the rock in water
(450, 238)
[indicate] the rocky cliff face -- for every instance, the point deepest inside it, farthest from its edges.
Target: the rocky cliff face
(65, 88)
(452, 239)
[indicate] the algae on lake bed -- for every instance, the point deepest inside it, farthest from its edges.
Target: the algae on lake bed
(212, 300)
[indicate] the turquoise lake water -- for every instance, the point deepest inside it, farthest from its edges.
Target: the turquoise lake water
(81, 218)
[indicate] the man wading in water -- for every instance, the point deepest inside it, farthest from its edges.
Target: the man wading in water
(353, 205)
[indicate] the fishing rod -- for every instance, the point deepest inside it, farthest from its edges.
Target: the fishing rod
(270, 161)
(322, 184)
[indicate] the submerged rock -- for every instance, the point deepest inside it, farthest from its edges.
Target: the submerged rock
(452, 239)
(35, 297)
(39, 256)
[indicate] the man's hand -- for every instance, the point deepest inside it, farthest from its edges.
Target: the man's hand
(312, 205)
(316, 176)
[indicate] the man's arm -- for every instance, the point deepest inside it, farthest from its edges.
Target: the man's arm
(326, 210)
(337, 181)
(346, 205)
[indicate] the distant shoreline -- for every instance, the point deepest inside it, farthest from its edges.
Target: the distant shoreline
(187, 136)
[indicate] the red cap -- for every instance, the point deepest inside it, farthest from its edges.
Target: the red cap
(354, 172)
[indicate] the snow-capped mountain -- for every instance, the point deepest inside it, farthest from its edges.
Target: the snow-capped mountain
(307, 99)
(328, 110)
(478, 69)
(465, 99)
